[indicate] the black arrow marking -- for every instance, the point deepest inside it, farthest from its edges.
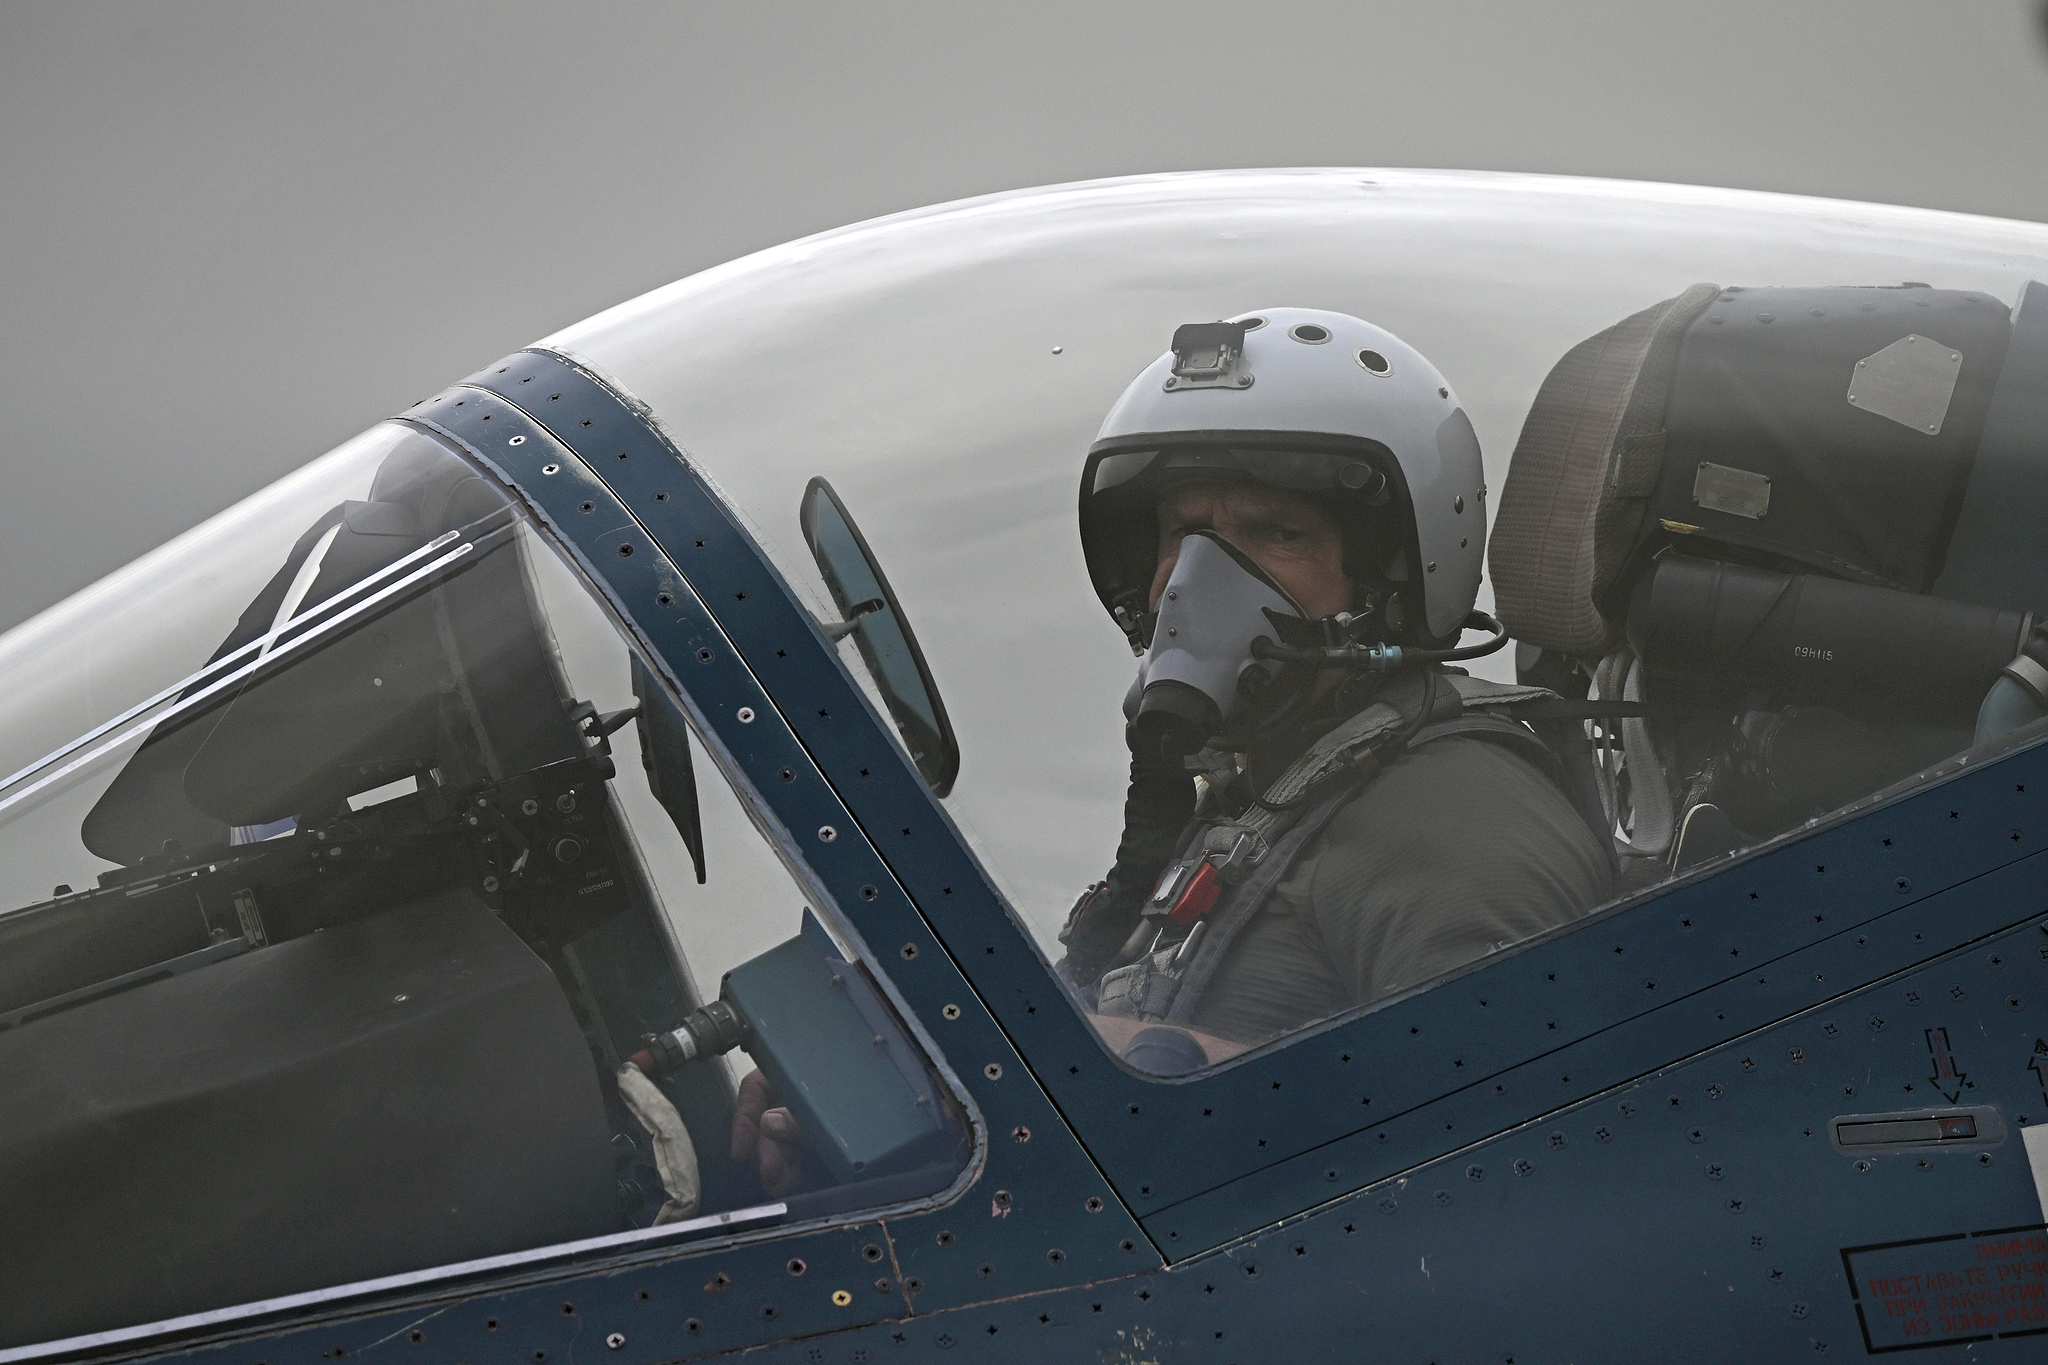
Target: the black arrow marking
(2038, 1064)
(1946, 1078)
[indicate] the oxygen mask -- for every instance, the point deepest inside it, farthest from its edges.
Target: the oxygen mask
(1200, 667)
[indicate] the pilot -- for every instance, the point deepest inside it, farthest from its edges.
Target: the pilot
(1286, 515)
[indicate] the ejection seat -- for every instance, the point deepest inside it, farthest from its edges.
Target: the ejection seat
(1784, 544)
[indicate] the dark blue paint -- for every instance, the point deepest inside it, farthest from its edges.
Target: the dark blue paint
(1675, 1218)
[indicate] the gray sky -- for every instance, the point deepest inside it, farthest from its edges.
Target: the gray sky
(237, 233)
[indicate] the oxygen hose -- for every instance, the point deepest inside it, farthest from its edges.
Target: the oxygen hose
(1157, 807)
(1384, 658)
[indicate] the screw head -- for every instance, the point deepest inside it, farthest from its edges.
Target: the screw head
(615, 1340)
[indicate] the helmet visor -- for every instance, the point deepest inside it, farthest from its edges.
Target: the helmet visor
(1357, 482)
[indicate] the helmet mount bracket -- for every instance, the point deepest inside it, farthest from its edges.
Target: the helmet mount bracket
(1208, 355)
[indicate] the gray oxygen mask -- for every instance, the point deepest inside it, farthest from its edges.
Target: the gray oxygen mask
(1197, 668)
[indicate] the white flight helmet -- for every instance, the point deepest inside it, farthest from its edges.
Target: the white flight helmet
(1316, 402)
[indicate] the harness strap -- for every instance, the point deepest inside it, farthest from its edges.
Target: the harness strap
(1247, 899)
(1244, 901)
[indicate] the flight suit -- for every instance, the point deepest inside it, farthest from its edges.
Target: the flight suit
(1457, 849)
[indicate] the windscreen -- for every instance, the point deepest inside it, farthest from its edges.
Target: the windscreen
(378, 865)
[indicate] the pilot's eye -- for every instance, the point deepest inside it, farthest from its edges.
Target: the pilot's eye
(1273, 533)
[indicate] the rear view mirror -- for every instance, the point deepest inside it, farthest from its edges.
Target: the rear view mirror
(875, 620)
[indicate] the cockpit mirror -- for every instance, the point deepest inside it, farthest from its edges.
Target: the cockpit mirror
(872, 616)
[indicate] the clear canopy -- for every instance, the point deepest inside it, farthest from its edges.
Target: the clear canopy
(948, 371)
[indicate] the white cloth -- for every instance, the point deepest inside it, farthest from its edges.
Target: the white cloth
(674, 1155)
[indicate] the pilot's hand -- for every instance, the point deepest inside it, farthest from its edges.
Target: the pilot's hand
(765, 1133)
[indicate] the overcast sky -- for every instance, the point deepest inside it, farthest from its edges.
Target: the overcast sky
(237, 233)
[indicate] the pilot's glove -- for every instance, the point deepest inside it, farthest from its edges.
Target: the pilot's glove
(1157, 808)
(765, 1133)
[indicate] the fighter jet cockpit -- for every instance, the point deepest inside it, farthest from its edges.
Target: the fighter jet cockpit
(1166, 625)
